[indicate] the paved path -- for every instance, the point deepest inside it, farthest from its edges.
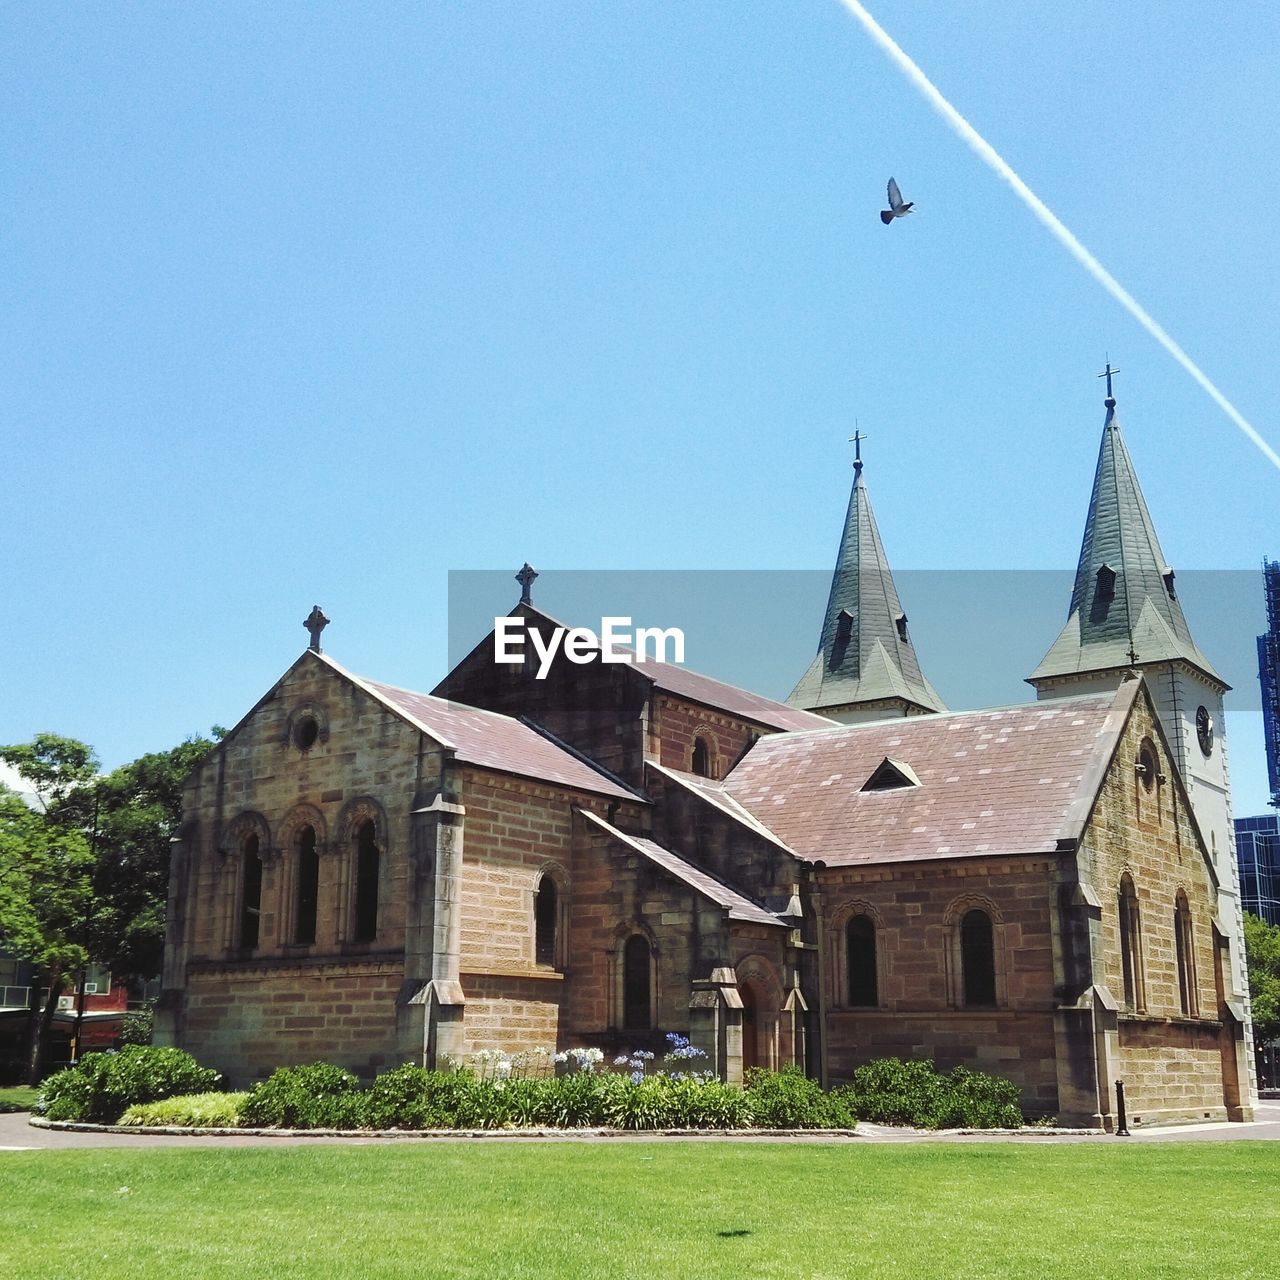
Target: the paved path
(17, 1135)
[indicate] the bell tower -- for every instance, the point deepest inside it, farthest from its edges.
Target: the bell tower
(1125, 614)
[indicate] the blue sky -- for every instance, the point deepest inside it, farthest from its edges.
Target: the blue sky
(319, 302)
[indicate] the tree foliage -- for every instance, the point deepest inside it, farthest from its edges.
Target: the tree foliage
(124, 819)
(84, 873)
(1262, 952)
(45, 887)
(138, 808)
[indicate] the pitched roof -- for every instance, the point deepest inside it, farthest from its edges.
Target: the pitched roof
(1136, 610)
(693, 686)
(1006, 781)
(714, 794)
(713, 693)
(738, 907)
(487, 739)
(865, 652)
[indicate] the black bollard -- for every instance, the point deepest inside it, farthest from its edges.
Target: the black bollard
(1122, 1130)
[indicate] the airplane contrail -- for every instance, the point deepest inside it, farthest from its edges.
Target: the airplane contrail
(997, 162)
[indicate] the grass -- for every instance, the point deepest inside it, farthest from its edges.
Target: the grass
(644, 1209)
(18, 1097)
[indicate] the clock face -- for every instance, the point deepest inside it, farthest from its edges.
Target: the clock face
(1204, 729)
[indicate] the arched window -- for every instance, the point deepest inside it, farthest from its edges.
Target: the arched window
(546, 906)
(308, 887)
(860, 956)
(1183, 940)
(701, 758)
(366, 916)
(978, 959)
(637, 984)
(1131, 945)
(250, 893)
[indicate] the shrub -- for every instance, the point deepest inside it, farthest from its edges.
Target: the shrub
(584, 1099)
(318, 1096)
(193, 1111)
(104, 1085)
(638, 1104)
(697, 1102)
(788, 1099)
(979, 1101)
(137, 1025)
(892, 1091)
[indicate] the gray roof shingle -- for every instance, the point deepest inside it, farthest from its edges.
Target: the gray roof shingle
(1006, 781)
(487, 739)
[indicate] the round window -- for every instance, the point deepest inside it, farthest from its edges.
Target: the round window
(305, 732)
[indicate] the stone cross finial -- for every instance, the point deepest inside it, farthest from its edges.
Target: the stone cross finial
(525, 578)
(315, 623)
(856, 440)
(1107, 373)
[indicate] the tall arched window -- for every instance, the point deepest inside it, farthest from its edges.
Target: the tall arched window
(366, 913)
(546, 907)
(308, 887)
(637, 984)
(978, 959)
(701, 758)
(250, 893)
(1183, 943)
(1131, 945)
(860, 957)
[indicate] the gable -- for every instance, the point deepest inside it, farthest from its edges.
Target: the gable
(478, 679)
(1141, 808)
(311, 714)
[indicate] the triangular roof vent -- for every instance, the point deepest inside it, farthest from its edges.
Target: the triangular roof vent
(891, 775)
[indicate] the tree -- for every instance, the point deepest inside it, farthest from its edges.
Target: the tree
(1262, 953)
(45, 874)
(133, 812)
(85, 875)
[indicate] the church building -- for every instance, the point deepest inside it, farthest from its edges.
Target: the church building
(599, 853)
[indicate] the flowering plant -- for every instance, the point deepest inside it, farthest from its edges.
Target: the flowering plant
(579, 1059)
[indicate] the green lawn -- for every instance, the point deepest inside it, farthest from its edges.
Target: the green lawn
(646, 1210)
(18, 1097)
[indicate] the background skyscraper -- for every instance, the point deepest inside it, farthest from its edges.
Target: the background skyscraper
(1269, 676)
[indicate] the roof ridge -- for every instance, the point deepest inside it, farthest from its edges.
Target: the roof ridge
(728, 803)
(949, 714)
(638, 843)
(570, 749)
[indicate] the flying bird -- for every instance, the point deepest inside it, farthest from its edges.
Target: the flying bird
(898, 208)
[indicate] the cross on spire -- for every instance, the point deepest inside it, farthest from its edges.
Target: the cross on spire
(856, 440)
(315, 623)
(525, 578)
(1110, 401)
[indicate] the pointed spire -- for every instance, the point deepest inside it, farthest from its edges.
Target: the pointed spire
(1125, 609)
(865, 655)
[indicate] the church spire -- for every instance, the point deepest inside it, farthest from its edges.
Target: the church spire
(1125, 609)
(866, 666)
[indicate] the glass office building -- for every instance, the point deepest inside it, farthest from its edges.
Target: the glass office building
(1258, 855)
(1269, 676)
